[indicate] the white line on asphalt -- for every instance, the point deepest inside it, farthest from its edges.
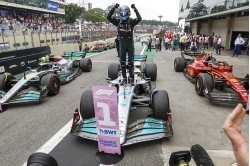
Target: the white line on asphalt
(52, 142)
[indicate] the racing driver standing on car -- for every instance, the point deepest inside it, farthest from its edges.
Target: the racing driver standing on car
(125, 26)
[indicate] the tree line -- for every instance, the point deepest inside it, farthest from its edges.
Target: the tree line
(98, 15)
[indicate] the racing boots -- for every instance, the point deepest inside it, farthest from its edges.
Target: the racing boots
(131, 82)
(124, 81)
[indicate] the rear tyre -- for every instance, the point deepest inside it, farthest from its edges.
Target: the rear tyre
(5, 80)
(87, 105)
(85, 64)
(113, 70)
(204, 84)
(41, 159)
(52, 82)
(151, 71)
(160, 105)
(179, 64)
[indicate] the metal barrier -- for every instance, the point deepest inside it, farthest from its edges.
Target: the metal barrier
(31, 39)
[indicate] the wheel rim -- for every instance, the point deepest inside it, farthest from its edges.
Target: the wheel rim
(199, 85)
(54, 85)
(206, 90)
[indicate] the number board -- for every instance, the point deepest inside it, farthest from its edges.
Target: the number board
(107, 121)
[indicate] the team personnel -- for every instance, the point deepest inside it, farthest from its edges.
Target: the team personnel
(125, 26)
(117, 46)
(238, 42)
(149, 43)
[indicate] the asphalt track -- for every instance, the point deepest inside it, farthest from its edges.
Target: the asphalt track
(24, 129)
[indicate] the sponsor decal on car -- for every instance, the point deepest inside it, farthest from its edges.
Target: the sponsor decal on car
(12, 66)
(108, 143)
(107, 122)
(125, 93)
(108, 132)
(32, 61)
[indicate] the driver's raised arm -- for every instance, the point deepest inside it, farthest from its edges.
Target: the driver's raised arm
(138, 17)
(111, 12)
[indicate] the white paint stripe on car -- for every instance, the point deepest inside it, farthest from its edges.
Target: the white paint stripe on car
(142, 51)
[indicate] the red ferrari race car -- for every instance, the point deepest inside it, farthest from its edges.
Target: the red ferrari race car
(210, 75)
(96, 47)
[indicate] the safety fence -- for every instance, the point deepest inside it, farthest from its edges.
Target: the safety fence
(30, 39)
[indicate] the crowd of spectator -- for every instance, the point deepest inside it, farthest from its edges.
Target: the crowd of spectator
(182, 41)
(33, 22)
(30, 22)
(99, 29)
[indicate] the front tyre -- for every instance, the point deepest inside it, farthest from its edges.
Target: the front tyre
(85, 64)
(87, 105)
(52, 82)
(204, 84)
(5, 81)
(113, 70)
(151, 71)
(160, 105)
(41, 159)
(179, 64)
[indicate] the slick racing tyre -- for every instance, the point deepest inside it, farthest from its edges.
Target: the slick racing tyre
(204, 84)
(52, 82)
(5, 80)
(113, 70)
(151, 71)
(179, 64)
(87, 105)
(41, 159)
(85, 64)
(160, 105)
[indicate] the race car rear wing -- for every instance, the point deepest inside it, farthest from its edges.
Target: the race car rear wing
(192, 53)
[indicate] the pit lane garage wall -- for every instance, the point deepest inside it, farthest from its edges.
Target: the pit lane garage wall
(223, 26)
(16, 62)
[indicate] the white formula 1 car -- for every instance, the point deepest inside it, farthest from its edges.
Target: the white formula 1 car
(156, 125)
(68, 66)
(33, 87)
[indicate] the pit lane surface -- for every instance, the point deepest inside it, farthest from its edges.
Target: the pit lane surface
(24, 129)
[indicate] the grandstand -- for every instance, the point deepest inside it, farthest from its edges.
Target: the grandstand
(36, 15)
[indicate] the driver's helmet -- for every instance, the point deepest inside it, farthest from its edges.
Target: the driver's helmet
(44, 59)
(124, 12)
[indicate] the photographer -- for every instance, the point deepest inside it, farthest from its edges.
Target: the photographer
(125, 26)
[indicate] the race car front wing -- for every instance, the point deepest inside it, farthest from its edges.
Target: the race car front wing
(140, 131)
